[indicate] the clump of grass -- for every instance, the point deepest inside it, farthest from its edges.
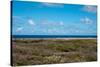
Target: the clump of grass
(63, 48)
(52, 59)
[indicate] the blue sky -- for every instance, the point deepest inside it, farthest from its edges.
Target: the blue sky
(40, 18)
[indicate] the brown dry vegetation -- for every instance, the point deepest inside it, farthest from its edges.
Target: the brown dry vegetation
(48, 51)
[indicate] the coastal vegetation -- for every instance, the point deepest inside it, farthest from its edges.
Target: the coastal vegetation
(53, 51)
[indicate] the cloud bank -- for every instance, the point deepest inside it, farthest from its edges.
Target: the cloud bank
(91, 9)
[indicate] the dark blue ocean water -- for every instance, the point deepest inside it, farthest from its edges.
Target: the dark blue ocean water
(54, 36)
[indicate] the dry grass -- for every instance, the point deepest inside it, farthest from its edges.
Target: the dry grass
(48, 51)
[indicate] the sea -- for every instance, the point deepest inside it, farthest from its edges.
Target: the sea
(53, 36)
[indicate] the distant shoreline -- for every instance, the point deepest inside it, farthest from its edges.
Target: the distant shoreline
(53, 38)
(77, 38)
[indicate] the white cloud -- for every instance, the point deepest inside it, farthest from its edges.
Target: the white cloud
(53, 4)
(56, 31)
(18, 18)
(61, 23)
(89, 8)
(49, 31)
(52, 31)
(19, 29)
(78, 31)
(31, 22)
(86, 20)
(52, 23)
